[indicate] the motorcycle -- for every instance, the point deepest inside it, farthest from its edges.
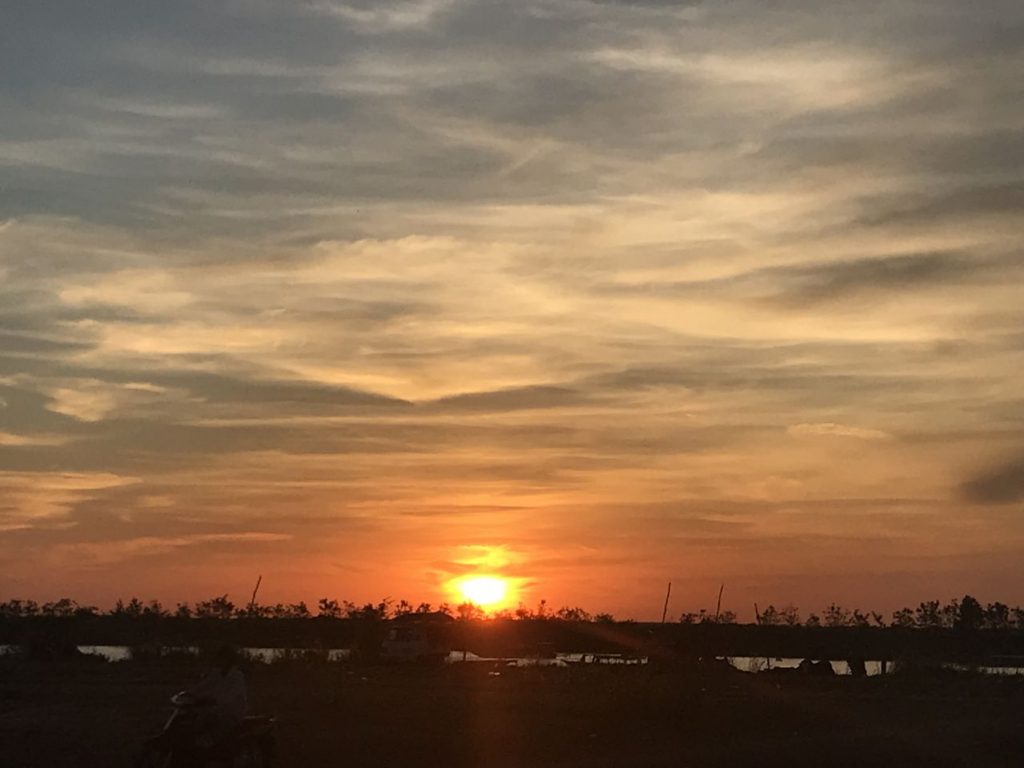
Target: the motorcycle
(251, 745)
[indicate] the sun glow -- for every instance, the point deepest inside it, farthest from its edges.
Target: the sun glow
(484, 591)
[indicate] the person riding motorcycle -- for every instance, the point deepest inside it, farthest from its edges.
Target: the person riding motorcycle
(209, 725)
(221, 699)
(220, 702)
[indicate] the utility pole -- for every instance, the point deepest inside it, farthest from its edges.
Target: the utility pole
(252, 601)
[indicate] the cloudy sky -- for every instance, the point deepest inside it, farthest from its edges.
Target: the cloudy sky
(361, 296)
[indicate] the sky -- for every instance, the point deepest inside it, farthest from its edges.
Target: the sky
(591, 295)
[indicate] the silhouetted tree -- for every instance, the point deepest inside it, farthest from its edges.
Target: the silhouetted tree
(1018, 618)
(370, 611)
(950, 613)
(768, 617)
(970, 615)
(328, 609)
(772, 616)
(275, 611)
(132, 609)
(997, 616)
(60, 608)
(928, 615)
(836, 616)
(215, 608)
(706, 617)
(904, 617)
(858, 619)
(566, 613)
(154, 609)
(470, 612)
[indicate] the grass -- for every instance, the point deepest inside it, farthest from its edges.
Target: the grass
(87, 712)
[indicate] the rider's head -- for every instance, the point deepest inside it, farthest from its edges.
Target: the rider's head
(225, 658)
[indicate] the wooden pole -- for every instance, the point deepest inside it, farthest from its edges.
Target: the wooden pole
(718, 608)
(252, 601)
(668, 594)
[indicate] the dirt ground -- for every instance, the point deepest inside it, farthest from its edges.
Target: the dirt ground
(92, 713)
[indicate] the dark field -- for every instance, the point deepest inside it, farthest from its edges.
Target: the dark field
(90, 713)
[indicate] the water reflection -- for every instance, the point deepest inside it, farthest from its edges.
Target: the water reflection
(751, 664)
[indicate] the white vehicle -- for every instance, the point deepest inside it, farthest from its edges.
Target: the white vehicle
(422, 637)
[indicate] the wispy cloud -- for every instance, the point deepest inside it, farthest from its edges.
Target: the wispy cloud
(377, 282)
(829, 429)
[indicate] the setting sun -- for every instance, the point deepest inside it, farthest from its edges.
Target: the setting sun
(485, 591)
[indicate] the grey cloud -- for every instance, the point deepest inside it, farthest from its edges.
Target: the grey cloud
(425, 511)
(802, 380)
(816, 282)
(20, 344)
(39, 314)
(159, 445)
(975, 201)
(261, 90)
(27, 412)
(800, 148)
(670, 4)
(825, 282)
(243, 391)
(1003, 484)
(512, 399)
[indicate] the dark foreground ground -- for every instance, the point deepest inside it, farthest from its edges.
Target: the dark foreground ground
(90, 713)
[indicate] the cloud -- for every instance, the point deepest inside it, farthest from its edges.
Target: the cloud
(378, 18)
(8, 439)
(511, 399)
(985, 201)
(27, 344)
(799, 286)
(1003, 484)
(398, 277)
(874, 275)
(33, 499)
(94, 554)
(830, 429)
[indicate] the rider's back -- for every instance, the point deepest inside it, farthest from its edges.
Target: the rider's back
(227, 691)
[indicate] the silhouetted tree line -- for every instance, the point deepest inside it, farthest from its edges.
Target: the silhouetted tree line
(966, 613)
(221, 607)
(962, 614)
